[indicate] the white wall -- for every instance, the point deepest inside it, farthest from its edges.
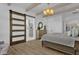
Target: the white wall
(43, 20)
(54, 24)
(71, 18)
(4, 21)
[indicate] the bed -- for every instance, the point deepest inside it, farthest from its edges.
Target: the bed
(60, 42)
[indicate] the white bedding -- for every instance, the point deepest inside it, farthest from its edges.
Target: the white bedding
(59, 38)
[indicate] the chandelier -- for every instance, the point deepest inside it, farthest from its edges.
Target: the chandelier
(48, 12)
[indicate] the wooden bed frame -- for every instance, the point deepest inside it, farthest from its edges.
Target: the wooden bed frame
(62, 48)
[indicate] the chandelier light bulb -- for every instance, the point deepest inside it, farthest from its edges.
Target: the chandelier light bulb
(45, 13)
(48, 10)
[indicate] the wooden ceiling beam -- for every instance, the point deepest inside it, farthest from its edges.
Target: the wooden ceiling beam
(33, 5)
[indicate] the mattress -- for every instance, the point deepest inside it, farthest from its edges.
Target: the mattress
(59, 38)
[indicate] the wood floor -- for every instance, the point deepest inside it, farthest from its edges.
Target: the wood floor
(31, 48)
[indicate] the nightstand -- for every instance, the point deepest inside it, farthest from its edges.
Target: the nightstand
(77, 46)
(40, 33)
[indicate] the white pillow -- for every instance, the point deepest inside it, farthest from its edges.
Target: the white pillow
(74, 32)
(69, 33)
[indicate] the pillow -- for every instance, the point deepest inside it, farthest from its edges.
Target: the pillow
(75, 33)
(69, 33)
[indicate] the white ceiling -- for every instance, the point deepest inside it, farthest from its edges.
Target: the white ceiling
(38, 8)
(41, 7)
(21, 5)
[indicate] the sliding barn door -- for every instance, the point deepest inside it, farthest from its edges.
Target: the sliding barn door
(17, 27)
